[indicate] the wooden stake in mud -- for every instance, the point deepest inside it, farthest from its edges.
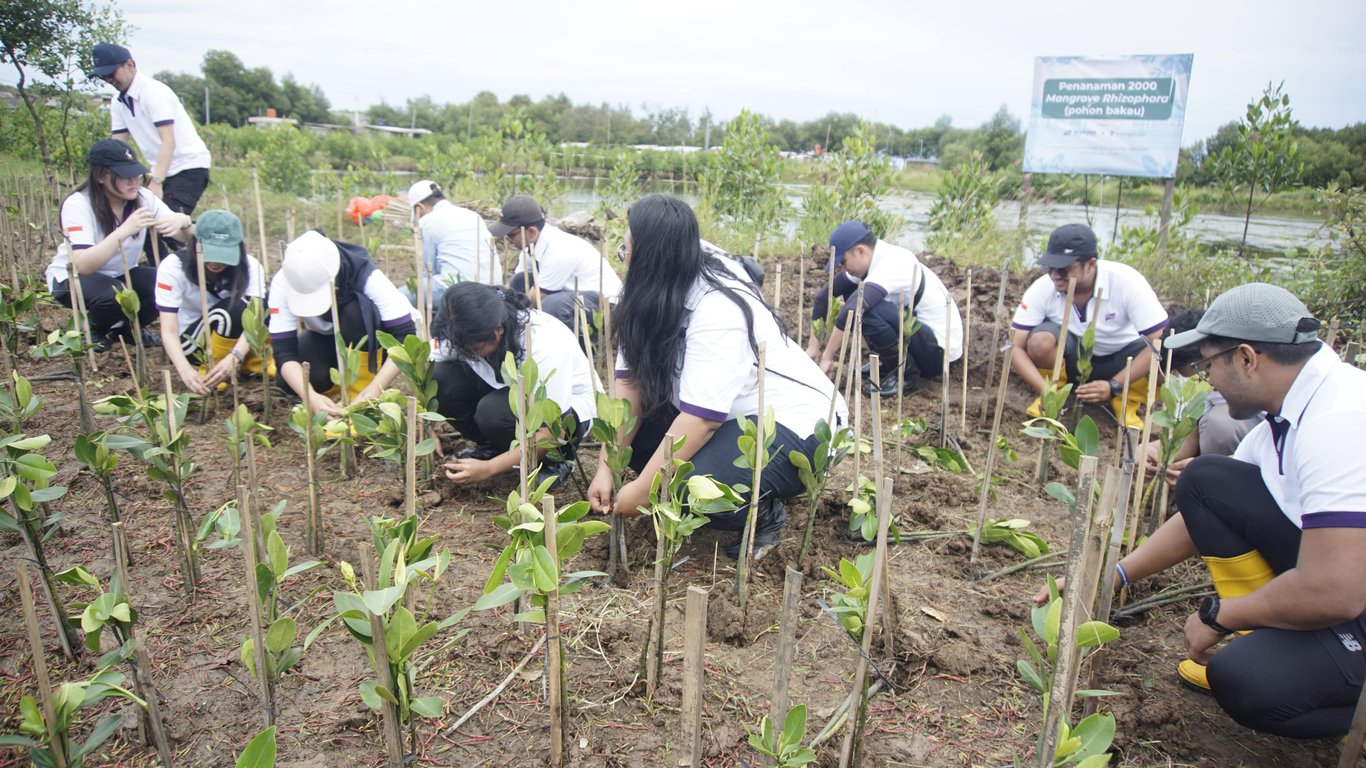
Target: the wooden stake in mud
(1351, 746)
(393, 729)
(654, 662)
(1120, 426)
(985, 491)
(849, 755)
(184, 526)
(616, 543)
(252, 557)
(261, 220)
(854, 333)
(747, 542)
(136, 320)
(1090, 536)
(801, 296)
(835, 382)
(787, 644)
(554, 647)
(967, 340)
(1041, 470)
(313, 527)
(35, 642)
(1119, 507)
(532, 266)
(944, 396)
(1137, 500)
(1332, 334)
(157, 249)
(150, 723)
(900, 377)
(80, 319)
(424, 293)
(778, 291)
(997, 312)
(694, 677)
(204, 329)
(346, 457)
(410, 461)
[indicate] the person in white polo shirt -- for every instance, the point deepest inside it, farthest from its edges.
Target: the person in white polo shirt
(1281, 524)
(1130, 320)
(232, 277)
(152, 114)
(476, 329)
(456, 244)
(559, 263)
(688, 330)
(892, 278)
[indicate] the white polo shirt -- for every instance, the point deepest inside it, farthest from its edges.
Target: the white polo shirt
(719, 376)
(177, 293)
(899, 272)
(560, 361)
(146, 106)
(562, 257)
(83, 231)
(456, 247)
(1129, 310)
(1316, 477)
(393, 306)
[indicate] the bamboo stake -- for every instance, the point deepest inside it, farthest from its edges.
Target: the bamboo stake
(985, 491)
(855, 334)
(694, 676)
(756, 246)
(1090, 537)
(1332, 334)
(900, 374)
(756, 488)
(1137, 499)
(204, 327)
(1106, 600)
(252, 557)
(150, 722)
(157, 248)
(944, 374)
(835, 380)
(532, 266)
(787, 644)
(879, 475)
(80, 317)
(778, 291)
(554, 647)
(424, 296)
(313, 528)
(35, 641)
(1120, 426)
(1041, 471)
(260, 220)
(801, 296)
(1161, 516)
(999, 310)
(184, 528)
(393, 733)
(1352, 744)
(655, 654)
(345, 455)
(136, 320)
(849, 755)
(967, 340)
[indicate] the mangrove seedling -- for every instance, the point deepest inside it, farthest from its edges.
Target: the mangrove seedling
(131, 305)
(1085, 441)
(788, 752)
(68, 701)
(16, 306)
(832, 448)
(254, 319)
(1183, 403)
(242, 429)
(614, 420)
(281, 629)
(863, 512)
(25, 488)
(851, 605)
(382, 424)
(18, 402)
(1085, 744)
(413, 358)
(821, 326)
(260, 751)
(69, 343)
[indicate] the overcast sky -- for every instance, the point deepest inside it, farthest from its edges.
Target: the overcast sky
(905, 62)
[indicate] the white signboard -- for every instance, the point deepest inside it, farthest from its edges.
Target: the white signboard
(1116, 116)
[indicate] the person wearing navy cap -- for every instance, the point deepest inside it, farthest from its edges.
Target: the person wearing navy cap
(893, 279)
(151, 114)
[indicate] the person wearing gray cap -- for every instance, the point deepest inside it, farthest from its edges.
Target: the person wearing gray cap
(1130, 318)
(1281, 524)
(555, 269)
(151, 113)
(456, 244)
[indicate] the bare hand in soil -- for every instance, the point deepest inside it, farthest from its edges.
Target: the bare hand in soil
(1200, 639)
(324, 403)
(1094, 392)
(827, 366)
(469, 470)
(1041, 596)
(190, 377)
(600, 491)
(221, 372)
(1174, 471)
(369, 393)
(632, 496)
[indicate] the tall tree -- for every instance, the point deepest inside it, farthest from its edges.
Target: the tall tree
(48, 42)
(1265, 157)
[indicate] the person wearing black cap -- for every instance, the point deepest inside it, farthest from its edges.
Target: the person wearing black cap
(104, 225)
(892, 278)
(1130, 319)
(152, 114)
(1281, 524)
(558, 263)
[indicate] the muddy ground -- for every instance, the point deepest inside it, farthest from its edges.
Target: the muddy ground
(958, 698)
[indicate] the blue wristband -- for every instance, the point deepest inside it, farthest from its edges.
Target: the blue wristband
(1123, 575)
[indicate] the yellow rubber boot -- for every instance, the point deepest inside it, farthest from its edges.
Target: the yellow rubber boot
(1126, 412)
(219, 348)
(1233, 577)
(363, 379)
(1035, 408)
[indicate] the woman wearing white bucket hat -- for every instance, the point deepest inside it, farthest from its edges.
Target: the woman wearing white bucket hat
(314, 270)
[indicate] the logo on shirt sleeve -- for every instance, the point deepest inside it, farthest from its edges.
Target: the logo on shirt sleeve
(163, 286)
(1024, 305)
(75, 229)
(275, 310)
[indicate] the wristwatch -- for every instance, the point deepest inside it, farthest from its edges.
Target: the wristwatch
(1116, 389)
(1209, 614)
(240, 357)
(158, 180)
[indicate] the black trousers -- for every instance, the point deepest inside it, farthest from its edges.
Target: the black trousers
(560, 304)
(1102, 366)
(319, 350)
(882, 328)
(102, 310)
(481, 413)
(182, 191)
(1288, 683)
(717, 459)
(225, 319)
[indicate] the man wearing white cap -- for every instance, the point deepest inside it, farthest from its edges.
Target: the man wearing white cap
(314, 270)
(456, 244)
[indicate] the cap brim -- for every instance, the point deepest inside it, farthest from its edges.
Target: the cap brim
(221, 254)
(1058, 260)
(105, 71)
(499, 229)
(128, 170)
(310, 304)
(1184, 339)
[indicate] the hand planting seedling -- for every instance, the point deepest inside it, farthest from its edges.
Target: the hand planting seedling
(1085, 744)
(788, 751)
(1183, 403)
(832, 448)
(614, 419)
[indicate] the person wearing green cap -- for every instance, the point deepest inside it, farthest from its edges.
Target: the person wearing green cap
(232, 278)
(104, 226)
(1281, 524)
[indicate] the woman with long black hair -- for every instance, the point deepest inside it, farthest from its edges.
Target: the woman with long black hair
(688, 329)
(104, 226)
(232, 277)
(476, 329)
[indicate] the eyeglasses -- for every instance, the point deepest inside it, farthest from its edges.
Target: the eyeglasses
(1203, 365)
(621, 251)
